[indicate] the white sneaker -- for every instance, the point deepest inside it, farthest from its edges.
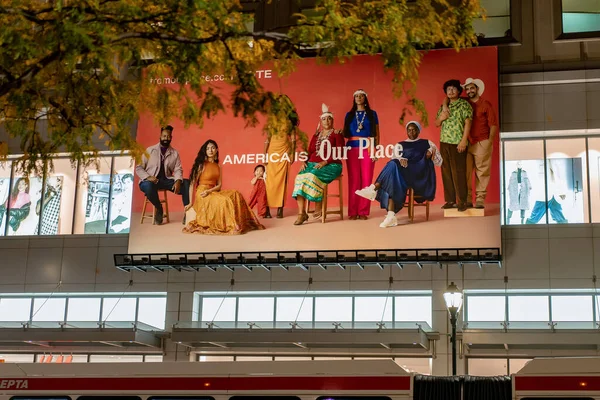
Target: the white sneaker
(368, 193)
(389, 221)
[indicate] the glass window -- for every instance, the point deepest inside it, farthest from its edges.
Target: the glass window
(24, 205)
(59, 198)
(353, 398)
(108, 397)
(253, 358)
(215, 358)
(528, 308)
(116, 358)
(91, 211)
(181, 398)
(264, 398)
(45, 309)
(293, 358)
(524, 179)
(503, 194)
(567, 183)
(17, 310)
(218, 309)
(497, 21)
(558, 398)
(333, 309)
(413, 309)
(487, 366)
(83, 309)
(61, 359)
(418, 365)
(17, 358)
(572, 308)
(294, 309)
(153, 358)
(580, 16)
(256, 309)
(594, 170)
(118, 309)
(76, 358)
(152, 311)
(122, 191)
(486, 308)
(515, 364)
(373, 308)
(5, 168)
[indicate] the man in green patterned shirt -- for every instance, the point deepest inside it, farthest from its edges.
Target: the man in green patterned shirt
(454, 139)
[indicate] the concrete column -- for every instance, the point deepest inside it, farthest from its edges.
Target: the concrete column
(180, 308)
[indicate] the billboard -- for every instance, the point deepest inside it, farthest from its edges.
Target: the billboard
(228, 206)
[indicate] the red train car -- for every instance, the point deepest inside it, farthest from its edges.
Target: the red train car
(540, 379)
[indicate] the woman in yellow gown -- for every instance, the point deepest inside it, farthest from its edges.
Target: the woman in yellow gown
(218, 212)
(280, 147)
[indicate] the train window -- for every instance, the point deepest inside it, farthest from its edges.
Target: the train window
(181, 398)
(264, 397)
(353, 398)
(40, 398)
(109, 398)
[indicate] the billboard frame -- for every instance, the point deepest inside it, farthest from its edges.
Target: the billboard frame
(192, 262)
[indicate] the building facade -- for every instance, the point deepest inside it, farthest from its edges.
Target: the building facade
(61, 294)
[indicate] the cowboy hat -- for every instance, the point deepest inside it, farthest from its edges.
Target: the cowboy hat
(477, 82)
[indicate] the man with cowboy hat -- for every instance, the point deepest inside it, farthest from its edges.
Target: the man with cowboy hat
(484, 129)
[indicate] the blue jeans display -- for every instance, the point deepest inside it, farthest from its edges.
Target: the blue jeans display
(151, 190)
(553, 207)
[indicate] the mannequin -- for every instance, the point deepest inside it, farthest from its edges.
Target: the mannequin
(519, 188)
(556, 192)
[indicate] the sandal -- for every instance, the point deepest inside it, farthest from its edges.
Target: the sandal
(302, 218)
(317, 215)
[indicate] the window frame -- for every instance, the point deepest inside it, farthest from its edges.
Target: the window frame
(557, 27)
(594, 295)
(589, 212)
(310, 297)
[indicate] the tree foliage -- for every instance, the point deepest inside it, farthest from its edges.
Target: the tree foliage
(71, 70)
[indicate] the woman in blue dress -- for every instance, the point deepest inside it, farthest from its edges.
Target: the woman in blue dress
(413, 166)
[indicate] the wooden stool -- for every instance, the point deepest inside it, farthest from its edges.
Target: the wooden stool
(411, 204)
(165, 208)
(340, 195)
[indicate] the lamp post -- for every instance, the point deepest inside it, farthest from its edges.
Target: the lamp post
(453, 298)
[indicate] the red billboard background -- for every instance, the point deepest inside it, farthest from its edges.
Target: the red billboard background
(313, 84)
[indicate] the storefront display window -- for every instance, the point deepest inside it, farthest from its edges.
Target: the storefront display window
(5, 168)
(545, 182)
(567, 184)
(524, 182)
(593, 145)
(24, 205)
(122, 191)
(59, 198)
(68, 198)
(93, 197)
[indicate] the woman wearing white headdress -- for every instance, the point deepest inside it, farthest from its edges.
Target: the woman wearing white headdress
(321, 167)
(361, 128)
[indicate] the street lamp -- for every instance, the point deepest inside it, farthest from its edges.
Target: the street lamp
(454, 299)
